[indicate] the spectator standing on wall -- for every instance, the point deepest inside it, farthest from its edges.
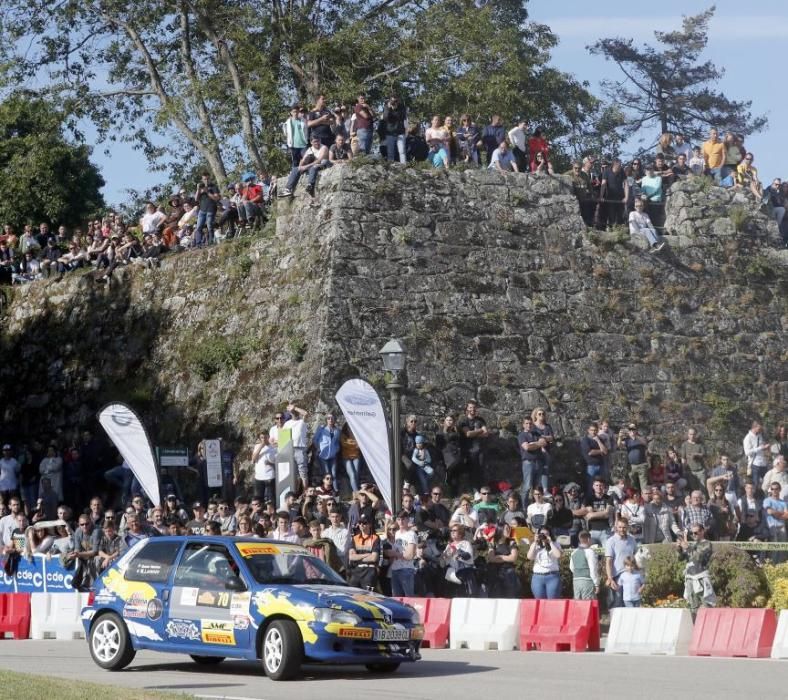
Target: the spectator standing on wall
(474, 435)
(518, 139)
(594, 451)
(295, 134)
(492, 135)
(207, 197)
(300, 442)
(363, 123)
(319, 122)
(538, 144)
(532, 457)
(326, 442)
(756, 449)
(394, 124)
(351, 455)
(636, 447)
(714, 155)
(264, 460)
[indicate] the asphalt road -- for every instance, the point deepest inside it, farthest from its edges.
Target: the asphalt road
(441, 674)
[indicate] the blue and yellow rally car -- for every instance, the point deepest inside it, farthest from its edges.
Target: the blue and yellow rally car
(219, 597)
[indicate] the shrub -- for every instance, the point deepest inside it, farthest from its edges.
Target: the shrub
(664, 576)
(737, 580)
(777, 582)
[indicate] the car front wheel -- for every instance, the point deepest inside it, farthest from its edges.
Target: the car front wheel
(283, 650)
(110, 645)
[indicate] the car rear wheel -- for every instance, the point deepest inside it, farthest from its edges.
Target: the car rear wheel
(207, 660)
(383, 667)
(283, 650)
(109, 642)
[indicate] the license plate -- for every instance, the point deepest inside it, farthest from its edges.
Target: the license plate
(391, 635)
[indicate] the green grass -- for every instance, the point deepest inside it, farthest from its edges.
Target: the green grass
(23, 686)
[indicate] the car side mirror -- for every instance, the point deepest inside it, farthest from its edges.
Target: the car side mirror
(235, 584)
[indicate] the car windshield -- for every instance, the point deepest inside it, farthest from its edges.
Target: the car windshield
(283, 565)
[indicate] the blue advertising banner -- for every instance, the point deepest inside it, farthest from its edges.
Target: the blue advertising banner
(42, 575)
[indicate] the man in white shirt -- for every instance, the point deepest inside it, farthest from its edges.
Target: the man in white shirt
(777, 475)
(756, 449)
(517, 137)
(273, 431)
(8, 523)
(298, 431)
(9, 474)
(283, 531)
(337, 532)
(264, 460)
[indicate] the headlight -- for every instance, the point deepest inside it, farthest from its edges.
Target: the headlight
(327, 615)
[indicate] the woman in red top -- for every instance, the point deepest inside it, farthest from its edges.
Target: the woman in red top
(537, 144)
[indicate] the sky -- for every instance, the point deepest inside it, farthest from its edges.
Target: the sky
(745, 38)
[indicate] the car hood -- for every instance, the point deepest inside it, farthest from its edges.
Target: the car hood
(367, 605)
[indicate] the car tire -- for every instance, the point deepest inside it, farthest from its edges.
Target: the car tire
(207, 660)
(282, 650)
(383, 667)
(109, 643)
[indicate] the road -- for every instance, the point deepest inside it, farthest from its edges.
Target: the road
(441, 674)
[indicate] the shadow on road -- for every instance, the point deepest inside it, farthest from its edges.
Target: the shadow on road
(311, 672)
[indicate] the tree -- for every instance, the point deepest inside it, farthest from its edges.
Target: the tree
(210, 80)
(670, 87)
(43, 177)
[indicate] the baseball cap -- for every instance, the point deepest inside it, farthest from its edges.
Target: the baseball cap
(364, 518)
(6, 447)
(419, 440)
(632, 426)
(197, 504)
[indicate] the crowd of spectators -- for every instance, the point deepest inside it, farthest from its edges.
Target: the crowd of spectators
(610, 192)
(459, 532)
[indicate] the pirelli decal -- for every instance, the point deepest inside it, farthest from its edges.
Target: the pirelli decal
(217, 632)
(250, 549)
(355, 632)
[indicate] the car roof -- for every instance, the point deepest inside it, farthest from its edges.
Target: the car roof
(224, 539)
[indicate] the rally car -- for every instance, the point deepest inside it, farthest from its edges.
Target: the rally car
(220, 597)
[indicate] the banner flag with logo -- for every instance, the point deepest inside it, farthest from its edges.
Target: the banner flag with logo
(127, 433)
(40, 574)
(362, 408)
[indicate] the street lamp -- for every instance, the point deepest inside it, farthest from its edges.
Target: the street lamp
(393, 355)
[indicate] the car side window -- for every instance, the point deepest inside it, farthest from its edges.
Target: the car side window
(208, 566)
(154, 562)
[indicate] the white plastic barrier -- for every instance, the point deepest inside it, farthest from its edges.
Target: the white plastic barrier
(57, 615)
(645, 631)
(780, 646)
(484, 623)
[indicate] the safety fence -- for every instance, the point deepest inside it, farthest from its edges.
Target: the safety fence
(500, 624)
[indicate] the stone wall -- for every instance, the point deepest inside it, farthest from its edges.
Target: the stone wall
(492, 282)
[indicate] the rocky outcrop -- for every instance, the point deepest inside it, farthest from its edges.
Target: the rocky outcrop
(492, 282)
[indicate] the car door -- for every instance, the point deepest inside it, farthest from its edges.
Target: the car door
(145, 590)
(208, 612)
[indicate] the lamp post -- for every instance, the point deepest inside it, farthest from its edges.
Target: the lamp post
(393, 355)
